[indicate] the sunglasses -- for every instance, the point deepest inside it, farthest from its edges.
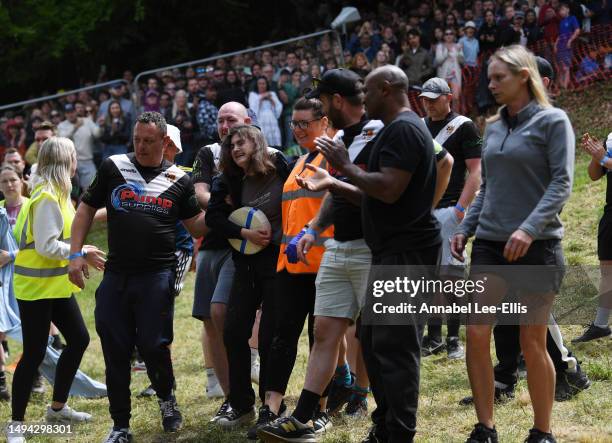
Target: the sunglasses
(302, 124)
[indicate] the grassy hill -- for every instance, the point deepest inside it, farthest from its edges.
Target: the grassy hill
(587, 418)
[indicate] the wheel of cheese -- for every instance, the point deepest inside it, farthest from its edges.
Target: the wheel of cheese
(249, 218)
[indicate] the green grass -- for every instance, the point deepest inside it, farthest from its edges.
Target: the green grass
(586, 418)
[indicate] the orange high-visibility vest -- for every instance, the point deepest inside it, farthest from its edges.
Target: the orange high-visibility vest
(299, 206)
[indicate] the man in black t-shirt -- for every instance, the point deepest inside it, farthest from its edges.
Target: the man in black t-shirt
(144, 197)
(460, 136)
(398, 190)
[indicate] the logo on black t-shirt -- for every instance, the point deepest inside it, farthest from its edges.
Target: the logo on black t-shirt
(132, 196)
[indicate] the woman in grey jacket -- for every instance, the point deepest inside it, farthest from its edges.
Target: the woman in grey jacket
(527, 171)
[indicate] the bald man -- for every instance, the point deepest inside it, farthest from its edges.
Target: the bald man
(215, 268)
(399, 228)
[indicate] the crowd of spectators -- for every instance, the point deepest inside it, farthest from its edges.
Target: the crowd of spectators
(451, 39)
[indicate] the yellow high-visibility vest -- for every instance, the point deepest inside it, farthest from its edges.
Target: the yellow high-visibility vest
(38, 277)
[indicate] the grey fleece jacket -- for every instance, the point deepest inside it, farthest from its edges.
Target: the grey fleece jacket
(527, 174)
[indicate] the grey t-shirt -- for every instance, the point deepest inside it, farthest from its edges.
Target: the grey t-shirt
(265, 193)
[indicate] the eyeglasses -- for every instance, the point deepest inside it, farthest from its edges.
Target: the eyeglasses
(302, 124)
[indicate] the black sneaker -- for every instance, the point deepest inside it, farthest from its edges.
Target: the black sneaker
(482, 434)
(593, 332)
(235, 417)
(375, 435)
(5, 394)
(357, 407)
(570, 383)
(147, 392)
(265, 417)
(224, 409)
(171, 416)
(537, 436)
(502, 395)
(431, 346)
(119, 436)
(339, 395)
(454, 349)
(321, 422)
(288, 429)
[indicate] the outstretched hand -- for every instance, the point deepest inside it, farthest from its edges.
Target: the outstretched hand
(320, 180)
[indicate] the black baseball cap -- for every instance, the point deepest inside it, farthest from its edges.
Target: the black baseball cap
(68, 107)
(336, 81)
(545, 68)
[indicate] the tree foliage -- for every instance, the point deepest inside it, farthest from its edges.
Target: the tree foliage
(50, 44)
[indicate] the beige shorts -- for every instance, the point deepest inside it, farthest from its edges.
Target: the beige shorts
(342, 279)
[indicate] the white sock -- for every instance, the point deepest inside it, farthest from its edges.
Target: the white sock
(211, 376)
(601, 318)
(254, 355)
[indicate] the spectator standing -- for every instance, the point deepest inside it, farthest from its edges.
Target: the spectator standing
(360, 64)
(268, 107)
(233, 90)
(488, 34)
(416, 61)
(448, 60)
(83, 132)
(533, 32)
(288, 94)
(381, 59)
(117, 92)
(471, 48)
(184, 119)
(569, 30)
(207, 119)
(116, 129)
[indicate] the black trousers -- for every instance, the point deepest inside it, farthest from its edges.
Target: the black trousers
(254, 285)
(392, 355)
(293, 300)
(36, 317)
(135, 310)
(508, 351)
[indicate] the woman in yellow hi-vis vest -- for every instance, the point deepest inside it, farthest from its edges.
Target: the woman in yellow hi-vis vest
(44, 293)
(295, 280)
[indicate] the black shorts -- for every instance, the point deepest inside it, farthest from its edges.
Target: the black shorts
(604, 236)
(547, 255)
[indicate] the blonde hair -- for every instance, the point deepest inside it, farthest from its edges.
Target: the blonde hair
(517, 58)
(55, 159)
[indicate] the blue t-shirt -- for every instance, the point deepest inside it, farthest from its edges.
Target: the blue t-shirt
(184, 240)
(471, 47)
(567, 26)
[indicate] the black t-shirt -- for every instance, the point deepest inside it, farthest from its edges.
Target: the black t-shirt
(464, 144)
(347, 215)
(204, 169)
(143, 206)
(407, 224)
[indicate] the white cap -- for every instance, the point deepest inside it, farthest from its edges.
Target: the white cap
(175, 135)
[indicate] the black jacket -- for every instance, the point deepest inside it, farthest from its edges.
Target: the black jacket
(224, 186)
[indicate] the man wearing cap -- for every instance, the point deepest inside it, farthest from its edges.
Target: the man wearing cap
(144, 196)
(117, 90)
(83, 132)
(459, 136)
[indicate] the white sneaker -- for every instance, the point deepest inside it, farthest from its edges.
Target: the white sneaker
(66, 415)
(214, 391)
(12, 435)
(255, 371)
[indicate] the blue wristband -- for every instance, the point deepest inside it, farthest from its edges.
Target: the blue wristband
(12, 255)
(459, 207)
(602, 162)
(76, 255)
(312, 232)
